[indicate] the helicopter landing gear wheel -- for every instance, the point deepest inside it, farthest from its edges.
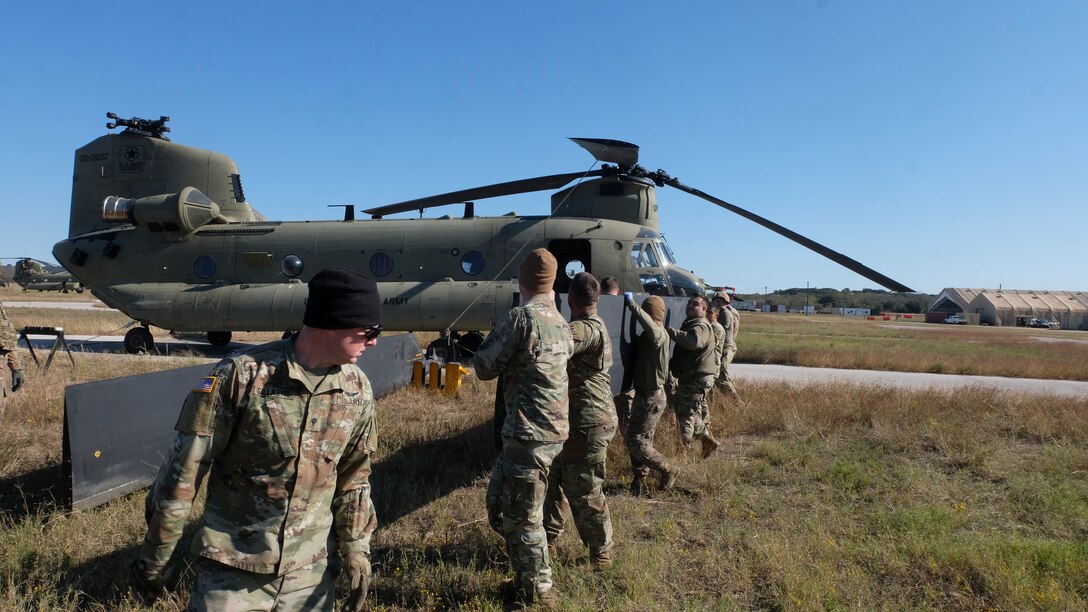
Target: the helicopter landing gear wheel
(468, 344)
(219, 338)
(443, 348)
(139, 340)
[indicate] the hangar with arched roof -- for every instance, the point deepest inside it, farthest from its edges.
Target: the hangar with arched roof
(1012, 307)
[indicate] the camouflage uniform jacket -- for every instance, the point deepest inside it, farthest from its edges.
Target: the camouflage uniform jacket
(719, 341)
(9, 338)
(288, 463)
(694, 353)
(590, 384)
(9, 361)
(651, 353)
(733, 328)
(530, 347)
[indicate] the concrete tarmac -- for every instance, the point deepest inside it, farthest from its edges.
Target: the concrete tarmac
(95, 305)
(167, 346)
(906, 380)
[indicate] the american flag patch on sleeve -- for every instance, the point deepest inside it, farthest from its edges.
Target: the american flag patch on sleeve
(206, 384)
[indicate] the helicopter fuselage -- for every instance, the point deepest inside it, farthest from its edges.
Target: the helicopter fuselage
(162, 232)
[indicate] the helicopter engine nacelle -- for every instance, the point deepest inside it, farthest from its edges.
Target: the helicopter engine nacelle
(183, 212)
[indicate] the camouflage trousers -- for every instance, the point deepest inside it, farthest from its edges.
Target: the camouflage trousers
(692, 413)
(576, 483)
(223, 588)
(645, 414)
(515, 508)
(623, 403)
(724, 382)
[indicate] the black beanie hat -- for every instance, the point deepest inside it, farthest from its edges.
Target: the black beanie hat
(342, 299)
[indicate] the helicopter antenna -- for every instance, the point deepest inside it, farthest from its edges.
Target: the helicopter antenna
(349, 210)
(155, 128)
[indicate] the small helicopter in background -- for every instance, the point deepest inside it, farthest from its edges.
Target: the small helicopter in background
(163, 233)
(35, 275)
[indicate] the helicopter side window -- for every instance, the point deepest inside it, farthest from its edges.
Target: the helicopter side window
(381, 264)
(204, 266)
(291, 266)
(643, 256)
(472, 263)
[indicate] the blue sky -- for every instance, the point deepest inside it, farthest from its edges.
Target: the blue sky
(941, 143)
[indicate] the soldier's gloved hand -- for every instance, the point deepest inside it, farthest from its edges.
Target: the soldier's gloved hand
(671, 386)
(628, 297)
(358, 568)
(17, 380)
(146, 582)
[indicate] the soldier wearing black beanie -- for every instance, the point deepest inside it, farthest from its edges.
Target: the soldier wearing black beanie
(286, 431)
(341, 298)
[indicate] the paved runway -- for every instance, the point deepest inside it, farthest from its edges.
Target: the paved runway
(167, 346)
(65, 305)
(906, 380)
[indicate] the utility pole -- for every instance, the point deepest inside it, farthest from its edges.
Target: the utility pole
(806, 298)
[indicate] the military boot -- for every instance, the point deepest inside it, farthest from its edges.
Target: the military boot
(600, 560)
(553, 548)
(638, 485)
(668, 477)
(518, 597)
(546, 600)
(710, 445)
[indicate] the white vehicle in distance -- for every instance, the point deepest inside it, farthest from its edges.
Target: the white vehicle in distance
(956, 320)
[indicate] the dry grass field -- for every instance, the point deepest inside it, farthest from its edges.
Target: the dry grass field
(824, 497)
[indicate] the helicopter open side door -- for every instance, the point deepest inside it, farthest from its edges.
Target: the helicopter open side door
(573, 256)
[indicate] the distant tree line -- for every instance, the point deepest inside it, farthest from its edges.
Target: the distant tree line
(827, 299)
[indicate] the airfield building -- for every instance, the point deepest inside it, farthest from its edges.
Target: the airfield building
(1012, 307)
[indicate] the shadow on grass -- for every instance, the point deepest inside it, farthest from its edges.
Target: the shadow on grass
(38, 491)
(416, 475)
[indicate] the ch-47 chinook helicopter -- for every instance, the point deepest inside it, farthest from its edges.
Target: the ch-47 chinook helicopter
(163, 233)
(31, 275)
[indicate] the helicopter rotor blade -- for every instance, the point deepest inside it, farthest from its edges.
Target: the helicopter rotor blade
(540, 183)
(606, 150)
(835, 256)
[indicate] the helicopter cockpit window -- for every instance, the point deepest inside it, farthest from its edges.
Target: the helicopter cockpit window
(643, 256)
(472, 263)
(667, 258)
(204, 266)
(291, 266)
(654, 283)
(381, 264)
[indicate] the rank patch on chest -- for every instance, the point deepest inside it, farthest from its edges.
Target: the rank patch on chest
(206, 384)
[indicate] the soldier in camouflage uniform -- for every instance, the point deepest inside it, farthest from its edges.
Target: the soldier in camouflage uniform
(579, 471)
(11, 373)
(610, 285)
(651, 363)
(286, 431)
(730, 321)
(695, 365)
(529, 347)
(714, 315)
